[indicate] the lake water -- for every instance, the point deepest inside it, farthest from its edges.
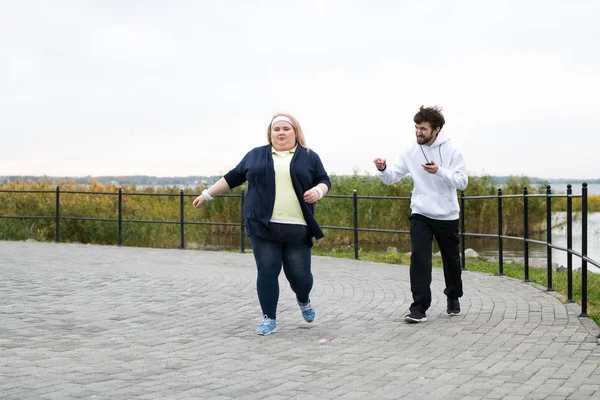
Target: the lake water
(513, 249)
(561, 187)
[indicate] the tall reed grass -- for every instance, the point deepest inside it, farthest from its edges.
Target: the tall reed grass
(481, 215)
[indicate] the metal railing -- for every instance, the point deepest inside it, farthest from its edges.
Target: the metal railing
(548, 196)
(57, 217)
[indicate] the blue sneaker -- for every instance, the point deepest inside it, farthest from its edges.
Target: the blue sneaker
(308, 312)
(267, 327)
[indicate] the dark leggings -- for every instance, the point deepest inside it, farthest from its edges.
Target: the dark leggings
(288, 246)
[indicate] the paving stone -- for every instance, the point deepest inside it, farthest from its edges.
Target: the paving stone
(103, 322)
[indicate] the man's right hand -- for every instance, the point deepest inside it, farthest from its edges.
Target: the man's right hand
(380, 163)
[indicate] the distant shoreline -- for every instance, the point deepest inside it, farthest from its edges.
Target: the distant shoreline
(209, 179)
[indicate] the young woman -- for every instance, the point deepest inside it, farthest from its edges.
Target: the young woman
(285, 180)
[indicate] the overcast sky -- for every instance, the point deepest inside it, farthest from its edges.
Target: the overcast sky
(178, 88)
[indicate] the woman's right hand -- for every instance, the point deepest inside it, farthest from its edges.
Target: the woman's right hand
(198, 201)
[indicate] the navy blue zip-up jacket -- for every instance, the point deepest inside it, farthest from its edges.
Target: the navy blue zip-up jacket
(306, 170)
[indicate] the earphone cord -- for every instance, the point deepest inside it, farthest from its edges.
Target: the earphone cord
(440, 151)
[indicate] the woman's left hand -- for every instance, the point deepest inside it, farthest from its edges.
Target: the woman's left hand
(311, 196)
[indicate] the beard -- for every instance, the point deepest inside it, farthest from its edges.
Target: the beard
(424, 139)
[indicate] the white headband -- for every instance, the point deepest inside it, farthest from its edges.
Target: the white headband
(281, 118)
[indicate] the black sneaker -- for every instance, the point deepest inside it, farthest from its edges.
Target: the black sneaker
(415, 316)
(453, 307)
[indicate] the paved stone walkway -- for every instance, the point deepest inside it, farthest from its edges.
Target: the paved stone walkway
(99, 322)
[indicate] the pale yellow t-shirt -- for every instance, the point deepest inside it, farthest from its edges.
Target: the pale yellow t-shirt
(287, 208)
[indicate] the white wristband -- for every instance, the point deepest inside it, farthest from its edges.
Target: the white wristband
(319, 191)
(207, 196)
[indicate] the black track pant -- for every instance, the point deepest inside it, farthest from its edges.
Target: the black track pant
(422, 232)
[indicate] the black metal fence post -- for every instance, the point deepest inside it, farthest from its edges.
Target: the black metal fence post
(181, 220)
(355, 207)
(549, 237)
(569, 244)
(242, 225)
(526, 234)
(463, 259)
(500, 248)
(120, 217)
(57, 221)
(584, 226)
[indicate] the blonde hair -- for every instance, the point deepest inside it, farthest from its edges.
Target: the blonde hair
(297, 128)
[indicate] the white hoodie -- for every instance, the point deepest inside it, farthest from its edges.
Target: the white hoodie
(434, 195)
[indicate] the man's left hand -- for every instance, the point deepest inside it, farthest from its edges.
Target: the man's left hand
(432, 169)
